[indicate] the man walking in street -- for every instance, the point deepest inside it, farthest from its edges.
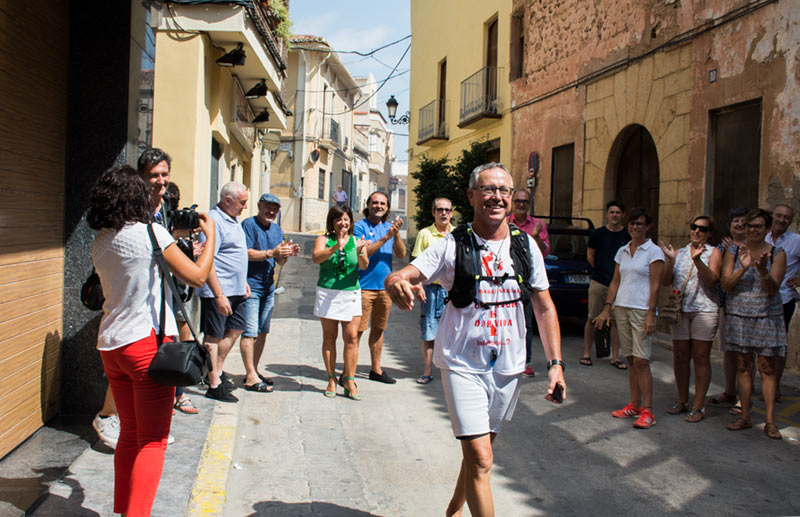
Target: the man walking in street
(434, 293)
(222, 297)
(782, 237)
(520, 208)
(600, 252)
(479, 345)
(340, 196)
(375, 303)
(265, 248)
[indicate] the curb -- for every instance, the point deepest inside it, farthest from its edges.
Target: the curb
(210, 485)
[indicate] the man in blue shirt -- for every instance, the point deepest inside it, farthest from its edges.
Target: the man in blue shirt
(375, 303)
(265, 248)
(222, 297)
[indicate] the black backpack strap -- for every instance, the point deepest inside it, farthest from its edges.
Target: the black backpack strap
(176, 297)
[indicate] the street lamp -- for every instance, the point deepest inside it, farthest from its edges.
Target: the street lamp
(391, 108)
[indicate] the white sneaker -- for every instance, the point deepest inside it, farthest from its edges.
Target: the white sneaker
(170, 440)
(107, 429)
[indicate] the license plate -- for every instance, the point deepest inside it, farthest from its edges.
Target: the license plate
(577, 279)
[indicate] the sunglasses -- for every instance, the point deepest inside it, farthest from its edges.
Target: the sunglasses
(490, 190)
(704, 229)
(442, 210)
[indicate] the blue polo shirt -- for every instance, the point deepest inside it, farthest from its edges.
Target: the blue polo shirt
(380, 264)
(260, 273)
(230, 255)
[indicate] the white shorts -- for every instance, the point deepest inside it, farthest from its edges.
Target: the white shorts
(334, 304)
(479, 403)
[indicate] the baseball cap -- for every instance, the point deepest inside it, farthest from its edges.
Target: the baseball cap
(269, 198)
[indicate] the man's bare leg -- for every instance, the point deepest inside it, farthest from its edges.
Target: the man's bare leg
(473, 485)
(376, 349)
(247, 345)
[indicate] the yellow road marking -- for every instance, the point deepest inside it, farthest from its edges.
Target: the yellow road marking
(208, 493)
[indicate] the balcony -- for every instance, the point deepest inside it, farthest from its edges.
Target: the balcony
(377, 161)
(361, 144)
(331, 136)
(479, 99)
(433, 122)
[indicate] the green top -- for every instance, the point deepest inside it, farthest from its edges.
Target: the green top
(340, 271)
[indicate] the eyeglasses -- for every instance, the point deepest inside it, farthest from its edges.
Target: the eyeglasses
(522, 201)
(442, 210)
(490, 190)
(752, 226)
(637, 224)
(704, 229)
(341, 263)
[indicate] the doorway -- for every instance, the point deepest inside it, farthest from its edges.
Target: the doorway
(637, 173)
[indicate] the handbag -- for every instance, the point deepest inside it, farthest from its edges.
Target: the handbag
(602, 342)
(92, 293)
(176, 363)
(670, 302)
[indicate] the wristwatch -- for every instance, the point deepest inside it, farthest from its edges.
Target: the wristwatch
(558, 362)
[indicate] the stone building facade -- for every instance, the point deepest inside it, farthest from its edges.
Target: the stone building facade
(675, 79)
(682, 107)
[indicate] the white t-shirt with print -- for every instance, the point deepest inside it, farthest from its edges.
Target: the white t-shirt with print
(132, 284)
(634, 274)
(466, 338)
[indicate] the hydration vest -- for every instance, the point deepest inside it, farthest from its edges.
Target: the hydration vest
(467, 278)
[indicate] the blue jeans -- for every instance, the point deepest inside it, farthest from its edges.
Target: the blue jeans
(431, 311)
(258, 313)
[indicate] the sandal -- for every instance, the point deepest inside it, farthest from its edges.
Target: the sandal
(266, 380)
(721, 400)
(260, 387)
(329, 393)
(678, 407)
(586, 361)
(739, 424)
(424, 379)
(736, 410)
(349, 394)
(619, 365)
(695, 415)
(184, 405)
(771, 430)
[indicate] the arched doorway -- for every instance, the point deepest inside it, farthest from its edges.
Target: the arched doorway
(634, 161)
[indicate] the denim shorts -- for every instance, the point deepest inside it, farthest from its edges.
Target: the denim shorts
(258, 313)
(431, 311)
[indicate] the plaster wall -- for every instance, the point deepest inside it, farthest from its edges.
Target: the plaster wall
(455, 31)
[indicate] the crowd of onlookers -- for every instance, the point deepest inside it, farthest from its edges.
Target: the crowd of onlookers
(742, 291)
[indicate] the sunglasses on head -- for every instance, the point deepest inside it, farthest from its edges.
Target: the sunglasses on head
(704, 229)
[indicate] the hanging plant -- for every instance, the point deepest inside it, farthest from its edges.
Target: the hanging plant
(280, 23)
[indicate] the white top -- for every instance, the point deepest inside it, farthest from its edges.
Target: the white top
(634, 274)
(696, 297)
(790, 242)
(130, 278)
(467, 337)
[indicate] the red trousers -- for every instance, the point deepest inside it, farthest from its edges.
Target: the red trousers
(145, 414)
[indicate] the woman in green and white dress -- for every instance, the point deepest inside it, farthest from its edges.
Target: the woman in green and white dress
(338, 295)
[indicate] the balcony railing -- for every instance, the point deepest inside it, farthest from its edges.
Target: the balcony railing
(479, 96)
(433, 121)
(331, 135)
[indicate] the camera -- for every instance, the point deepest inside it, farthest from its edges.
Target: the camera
(184, 218)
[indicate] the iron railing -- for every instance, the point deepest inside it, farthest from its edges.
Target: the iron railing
(479, 95)
(433, 121)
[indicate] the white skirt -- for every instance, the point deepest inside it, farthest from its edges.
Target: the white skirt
(334, 304)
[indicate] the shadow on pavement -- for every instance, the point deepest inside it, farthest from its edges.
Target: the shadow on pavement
(312, 509)
(51, 505)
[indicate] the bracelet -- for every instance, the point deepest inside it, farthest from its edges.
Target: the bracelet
(554, 362)
(219, 295)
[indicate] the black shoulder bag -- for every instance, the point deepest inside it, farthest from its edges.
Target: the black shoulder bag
(176, 363)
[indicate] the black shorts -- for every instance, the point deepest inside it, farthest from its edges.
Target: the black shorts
(215, 324)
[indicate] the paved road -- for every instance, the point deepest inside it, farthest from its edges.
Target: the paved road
(393, 454)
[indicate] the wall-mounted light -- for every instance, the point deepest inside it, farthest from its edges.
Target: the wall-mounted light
(235, 57)
(261, 117)
(391, 109)
(259, 90)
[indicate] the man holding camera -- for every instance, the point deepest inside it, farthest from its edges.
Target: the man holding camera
(265, 248)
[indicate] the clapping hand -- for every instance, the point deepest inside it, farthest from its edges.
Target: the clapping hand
(396, 225)
(696, 251)
(668, 250)
(361, 244)
(745, 258)
(761, 264)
